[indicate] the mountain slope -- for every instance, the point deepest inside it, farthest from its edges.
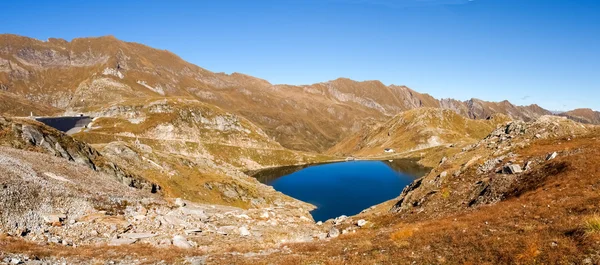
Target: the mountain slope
(418, 129)
(88, 73)
(13, 105)
(583, 115)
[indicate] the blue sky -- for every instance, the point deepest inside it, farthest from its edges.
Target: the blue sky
(526, 51)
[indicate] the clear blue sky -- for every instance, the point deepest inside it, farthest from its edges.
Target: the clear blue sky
(526, 51)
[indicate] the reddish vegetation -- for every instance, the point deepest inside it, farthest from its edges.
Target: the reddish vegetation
(547, 220)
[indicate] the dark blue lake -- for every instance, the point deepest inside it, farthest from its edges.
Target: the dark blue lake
(344, 188)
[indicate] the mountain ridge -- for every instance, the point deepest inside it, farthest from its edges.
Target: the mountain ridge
(89, 72)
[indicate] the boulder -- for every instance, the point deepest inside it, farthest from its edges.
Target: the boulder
(179, 202)
(181, 242)
(244, 231)
(552, 156)
(195, 212)
(333, 232)
(361, 223)
(512, 169)
(54, 219)
(339, 219)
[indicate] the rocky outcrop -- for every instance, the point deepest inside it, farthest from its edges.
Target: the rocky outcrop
(491, 170)
(45, 200)
(479, 109)
(31, 135)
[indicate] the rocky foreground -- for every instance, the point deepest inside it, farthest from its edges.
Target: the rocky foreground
(526, 193)
(59, 196)
(48, 201)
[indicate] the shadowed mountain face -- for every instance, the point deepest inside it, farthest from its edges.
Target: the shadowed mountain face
(90, 73)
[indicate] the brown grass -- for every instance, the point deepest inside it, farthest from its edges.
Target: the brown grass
(592, 224)
(147, 254)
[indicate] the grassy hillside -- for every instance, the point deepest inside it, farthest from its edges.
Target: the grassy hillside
(418, 129)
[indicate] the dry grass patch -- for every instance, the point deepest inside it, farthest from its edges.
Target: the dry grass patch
(144, 253)
(592, 224)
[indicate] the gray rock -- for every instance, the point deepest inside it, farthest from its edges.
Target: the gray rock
(54, 218)
(321, 236)
(226, 230)
(195, 212)
(179, 202)
(137, 235)
(552, 156)
(181, 242)
(512, 169)
(333, 232)
(339, 219)
(173, 220)
(443, 174)
(121, 241)
(244, 231)
(361, 222)
(528, 165)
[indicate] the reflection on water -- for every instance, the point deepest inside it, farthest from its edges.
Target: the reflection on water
(344, 188)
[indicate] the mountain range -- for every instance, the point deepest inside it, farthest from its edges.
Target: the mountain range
(60, 77)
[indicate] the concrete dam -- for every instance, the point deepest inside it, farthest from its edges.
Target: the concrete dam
(67, 124)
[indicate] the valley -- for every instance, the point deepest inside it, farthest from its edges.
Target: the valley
(155, 160)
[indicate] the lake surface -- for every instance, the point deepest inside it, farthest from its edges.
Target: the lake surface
(344, 188)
